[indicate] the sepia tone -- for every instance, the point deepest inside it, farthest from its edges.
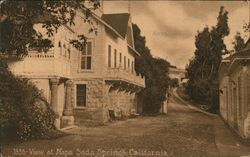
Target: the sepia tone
(95, 92)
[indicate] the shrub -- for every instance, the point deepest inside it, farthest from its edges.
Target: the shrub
(204, 92)
(24, 113)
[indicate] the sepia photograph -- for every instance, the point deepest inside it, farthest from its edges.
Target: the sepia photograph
(124, 78)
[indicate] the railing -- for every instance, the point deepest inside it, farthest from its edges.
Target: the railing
(37, 64)
(126, 75)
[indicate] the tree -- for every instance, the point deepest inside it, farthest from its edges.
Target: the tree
(174, 82)
(202, 70)
(18, 17)
(155, 71)
(23, 111)
(238, 43)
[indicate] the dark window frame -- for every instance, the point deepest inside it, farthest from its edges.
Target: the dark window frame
(81, 95)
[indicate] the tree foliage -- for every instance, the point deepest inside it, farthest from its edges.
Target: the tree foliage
(24, 113)
(202, 70)
(239, 42)
(155, 71)
(174, 82)
(18, 17)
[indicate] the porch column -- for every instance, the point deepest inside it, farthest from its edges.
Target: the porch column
(67, 118)
(67, 111)
(54, 99)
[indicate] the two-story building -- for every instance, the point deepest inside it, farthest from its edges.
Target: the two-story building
(89, 85)
(234, 85)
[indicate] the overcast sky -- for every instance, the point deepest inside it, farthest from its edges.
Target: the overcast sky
(170, 26)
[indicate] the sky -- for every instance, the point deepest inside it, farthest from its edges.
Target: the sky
(170, 26)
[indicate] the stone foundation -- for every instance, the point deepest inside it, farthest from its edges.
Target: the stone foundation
(67, 121)
(91, 116)
(101, 102)
(120, 102)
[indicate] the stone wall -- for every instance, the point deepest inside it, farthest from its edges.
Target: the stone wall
(100, 100)
(121, 102)
(94, 93)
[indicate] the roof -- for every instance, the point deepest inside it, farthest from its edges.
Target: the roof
(231, 61)
(118, 21)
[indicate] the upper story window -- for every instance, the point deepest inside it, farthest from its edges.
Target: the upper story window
(132, 64)
(120, 60)
(128, 63)
(86, 57)
(109, 56)
(124, 62)
(60, 47)
(115, 59)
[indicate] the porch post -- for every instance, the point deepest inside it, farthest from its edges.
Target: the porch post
(54, 99)
(67, 118)
(68, 103)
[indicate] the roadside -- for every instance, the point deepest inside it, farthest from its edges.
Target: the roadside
(181, 132)
(228, 143)
(193, 107)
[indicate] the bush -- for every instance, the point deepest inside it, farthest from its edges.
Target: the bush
(157, 83)
(24, 113)
(204, 92)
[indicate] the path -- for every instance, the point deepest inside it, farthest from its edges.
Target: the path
(183, 132)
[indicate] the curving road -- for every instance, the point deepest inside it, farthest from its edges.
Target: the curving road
(183, 132)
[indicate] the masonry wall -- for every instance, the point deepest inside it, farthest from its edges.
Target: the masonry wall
(94, 93)
(121, 102)
(100, 100)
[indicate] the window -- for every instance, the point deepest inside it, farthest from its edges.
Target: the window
(65, 50)
(109, 56)
(115, 58)
(132, 66)
(60, 47)
(120, 58)
(81, 95)
(86, 56)
(124, 62)
(128, 63)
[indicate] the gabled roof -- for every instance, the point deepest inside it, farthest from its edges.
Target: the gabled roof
(118, 21)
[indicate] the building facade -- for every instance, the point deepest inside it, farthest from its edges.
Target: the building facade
(91, 85)
(177, 73)
(234, 85)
